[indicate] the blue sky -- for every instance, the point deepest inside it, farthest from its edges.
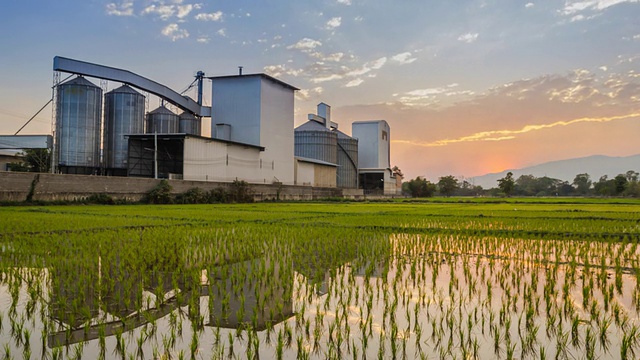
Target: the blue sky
(468, 87)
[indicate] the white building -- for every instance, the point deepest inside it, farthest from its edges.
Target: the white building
(257, 110)
(374, 153)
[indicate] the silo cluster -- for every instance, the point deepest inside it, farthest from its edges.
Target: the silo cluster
(320, 139)
(162, 121)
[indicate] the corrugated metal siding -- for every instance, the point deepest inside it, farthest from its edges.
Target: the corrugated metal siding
(78, 123)
(347, 160)
(320, 145)
(124, 114)
(206, 160)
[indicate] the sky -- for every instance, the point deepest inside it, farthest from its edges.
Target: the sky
(467, 87)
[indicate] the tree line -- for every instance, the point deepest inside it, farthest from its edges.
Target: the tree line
(622, 185)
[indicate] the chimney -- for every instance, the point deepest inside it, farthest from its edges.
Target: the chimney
(240, 70)
(324, 111)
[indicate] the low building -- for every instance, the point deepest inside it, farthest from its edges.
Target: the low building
(313, 172)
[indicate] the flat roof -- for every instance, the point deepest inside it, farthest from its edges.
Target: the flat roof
(315, 161)
(184, 135)
(262, 75)
(372, 170)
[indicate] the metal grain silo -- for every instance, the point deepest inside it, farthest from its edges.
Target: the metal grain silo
(162, 121)
(189, 124)
(124, 114)
(347, 160)
(78, 115)
(315, 141)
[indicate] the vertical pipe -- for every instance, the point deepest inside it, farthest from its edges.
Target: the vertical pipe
(155, 154)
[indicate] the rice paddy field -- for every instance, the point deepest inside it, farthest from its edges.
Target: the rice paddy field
(544, 279)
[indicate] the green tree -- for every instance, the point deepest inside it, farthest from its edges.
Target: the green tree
(448, 185)
(507, 184)
(33, 160)
(620, 184)
(582, 183)
(604, 186)
(419, 187)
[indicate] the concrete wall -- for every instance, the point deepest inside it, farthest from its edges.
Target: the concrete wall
(15, 186)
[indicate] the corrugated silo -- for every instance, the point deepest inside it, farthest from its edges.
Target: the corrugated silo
(189, 124)
(347, 160)
(124, 114)
(79, 110)
(162, 121)
(315, 141)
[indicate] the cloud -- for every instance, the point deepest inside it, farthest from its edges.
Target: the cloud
(164, 12)
(575, 6)
(222, 32)
(367, 67)
(334, 23)
(305, 44)
(307, 94)
(214, 16)
(125, 8)
(636, 37)
(468, 37)
(344, 2)
(500, 135)
(430, 96)
(403, 58)
(354, 83)
(529, 5)
(174, 32)
(185, 10)
(204, 39)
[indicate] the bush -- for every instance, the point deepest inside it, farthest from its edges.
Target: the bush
(217, 195)
(240, 192)
(161, 194)
(103, 199)
(193, 196)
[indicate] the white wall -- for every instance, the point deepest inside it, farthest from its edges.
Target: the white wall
(305, 173)
(374, 139)
(276, 131)
(206, 160)
(260, 112)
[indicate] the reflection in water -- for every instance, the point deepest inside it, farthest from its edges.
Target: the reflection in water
(403, 296)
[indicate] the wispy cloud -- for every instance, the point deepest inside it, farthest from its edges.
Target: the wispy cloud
(305, 44)
(174, 32)
(344, 2)
(354, 83)
(334, 23)
(124, 8)
(572, 7)
(214, 16)
(529, 5)
(501, 135)
(468, 37)
(164, 12)
(404, 58)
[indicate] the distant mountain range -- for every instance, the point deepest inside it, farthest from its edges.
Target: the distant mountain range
(595, 166)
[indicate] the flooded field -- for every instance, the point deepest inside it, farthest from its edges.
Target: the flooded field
(344, 281)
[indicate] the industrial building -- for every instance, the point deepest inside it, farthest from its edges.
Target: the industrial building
(252, 137)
